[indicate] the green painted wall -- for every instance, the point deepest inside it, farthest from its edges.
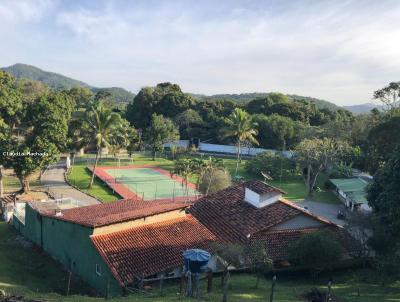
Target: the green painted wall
(69, 244)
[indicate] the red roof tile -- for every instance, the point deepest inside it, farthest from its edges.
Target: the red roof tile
(118, 211)
(150, 249)
(262, 188)
(277, 242)
(228, 216)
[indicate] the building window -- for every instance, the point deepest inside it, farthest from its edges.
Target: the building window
(98, 270)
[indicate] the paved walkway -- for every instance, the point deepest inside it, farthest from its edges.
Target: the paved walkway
(326, 210)
(53, 180)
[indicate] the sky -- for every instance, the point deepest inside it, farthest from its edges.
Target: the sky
(340, 51)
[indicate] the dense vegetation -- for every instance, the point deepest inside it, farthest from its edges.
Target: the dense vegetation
(58, 81)
(38, 123)
(205, 120)
(247, 97)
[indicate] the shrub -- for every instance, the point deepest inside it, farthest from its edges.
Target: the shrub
(214, 181)
(271, 163)
(317, 251)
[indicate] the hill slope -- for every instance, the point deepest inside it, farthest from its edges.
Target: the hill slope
(58, 81)
(362, 108)
(51, 79)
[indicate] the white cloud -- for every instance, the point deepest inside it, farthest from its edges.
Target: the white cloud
(23, 10)
(337, 51)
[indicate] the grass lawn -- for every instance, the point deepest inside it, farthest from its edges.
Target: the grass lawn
(28, 272)
(293, 186)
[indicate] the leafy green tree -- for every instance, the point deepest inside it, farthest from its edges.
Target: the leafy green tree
(317, 251)
(160, 131)
(3, 137)
(44, 137)
(10, 99)
(214, 180)
(278, 132)
(122, 136)
(29, 156)
(207, 166)
(140, 110)
(49, 116)
(31, 90)
(190, 124)
(101, 124)
(382, 141)
(165, 99)
(317, 155)
(389, 96)
(83, 97)
(384, 198)
(258, 260)
(274, 164)
(185, 167)
(231, 255)
(242, 128)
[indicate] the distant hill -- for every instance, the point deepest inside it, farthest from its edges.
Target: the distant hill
(362, 108)
(58, 81)
(247, 97)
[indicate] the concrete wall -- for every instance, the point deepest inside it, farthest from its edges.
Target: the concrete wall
(138, 222)
(299, 222)
(217, 148)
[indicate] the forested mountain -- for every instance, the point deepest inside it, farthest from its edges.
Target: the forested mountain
(247, 97)
(362, 108)
(58, 81)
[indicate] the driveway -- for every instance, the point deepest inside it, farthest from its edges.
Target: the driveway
(325, 210)
(53, 180)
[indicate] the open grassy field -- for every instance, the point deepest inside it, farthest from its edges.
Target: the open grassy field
(293, 186)
(29, 272)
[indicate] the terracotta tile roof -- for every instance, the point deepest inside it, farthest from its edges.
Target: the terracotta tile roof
(118, 211)
(150, 249)
(262, 188)
(277, 242)
(231, 218)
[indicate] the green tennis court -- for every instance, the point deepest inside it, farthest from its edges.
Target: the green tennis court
(146, 183)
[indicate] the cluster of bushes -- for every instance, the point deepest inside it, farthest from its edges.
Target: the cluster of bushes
(273, 164)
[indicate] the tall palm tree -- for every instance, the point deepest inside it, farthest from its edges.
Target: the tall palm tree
(101, 123)
(242, 128)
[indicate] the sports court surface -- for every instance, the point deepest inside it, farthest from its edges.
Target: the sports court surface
(354, 188)
(145, 182)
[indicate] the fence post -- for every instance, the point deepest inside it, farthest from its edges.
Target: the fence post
(271, 298)
(69, 281)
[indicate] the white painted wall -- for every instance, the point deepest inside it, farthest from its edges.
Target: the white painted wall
(217, 148)
(299, 222)
(260, 201)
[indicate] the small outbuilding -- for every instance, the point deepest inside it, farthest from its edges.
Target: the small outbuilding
(352, 192)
